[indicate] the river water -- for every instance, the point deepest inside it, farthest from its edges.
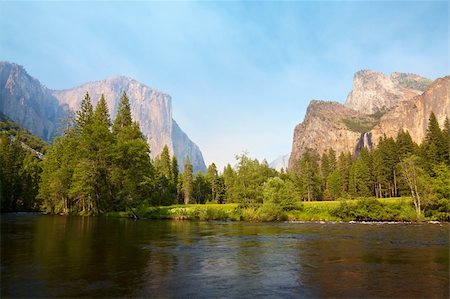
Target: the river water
(56, 256)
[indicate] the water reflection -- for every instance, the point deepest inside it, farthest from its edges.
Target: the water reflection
(52, 256)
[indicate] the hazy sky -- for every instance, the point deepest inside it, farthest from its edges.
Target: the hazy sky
(240, 74)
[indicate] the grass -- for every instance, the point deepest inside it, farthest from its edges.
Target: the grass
(362, 209)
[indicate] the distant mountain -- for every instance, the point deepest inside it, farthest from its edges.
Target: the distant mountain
(42, 111)
(413, 115)
(374, 92)
(29, 103)
(280, 162)
(377, 105)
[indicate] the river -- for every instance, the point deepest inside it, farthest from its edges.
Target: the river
(57, 256)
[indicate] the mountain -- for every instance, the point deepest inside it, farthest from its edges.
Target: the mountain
(329, 125)
(280, 163)
(413, 115)
(374, 92)
(39, 109)
(377, 105)
(29, 103)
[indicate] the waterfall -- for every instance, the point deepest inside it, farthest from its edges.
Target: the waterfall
(365, 140)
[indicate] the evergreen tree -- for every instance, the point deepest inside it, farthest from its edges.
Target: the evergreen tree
(123, 118)
(201, 190)
(405, 144)
(334, 186)
(249, 179)
(446, 134)
(56, 177)
(435, 147)
(85, 113)
(91, 184)
(187, 181)
(175, 175)
(213, 180)
(228, 180)
(360, 179)
(344, 166)
(385, 158)
(133, 172)
(308, 176)
(101, 113)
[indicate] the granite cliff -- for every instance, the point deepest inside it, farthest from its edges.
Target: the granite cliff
(29, 103)
(374, 92)
(412, 115)
(39, 109)
(377, 105)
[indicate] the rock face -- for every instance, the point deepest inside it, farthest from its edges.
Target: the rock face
(281, 162)
(151, 108)
(27, 102)
(326, 125)
(374, 92)
(377, 105)
(413, 115)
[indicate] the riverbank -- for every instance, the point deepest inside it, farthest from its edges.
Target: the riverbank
(363, 209)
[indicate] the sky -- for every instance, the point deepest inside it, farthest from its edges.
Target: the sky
(241, 74)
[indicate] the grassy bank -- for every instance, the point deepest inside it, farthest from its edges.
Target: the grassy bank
(364, 209)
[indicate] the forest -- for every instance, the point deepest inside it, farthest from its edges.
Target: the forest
(100, 165)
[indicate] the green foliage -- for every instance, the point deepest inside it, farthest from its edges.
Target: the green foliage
(201, 192)
(11, 128)
(85, 114)
(188, 180)
(280, 194)
(360, 179)
(123, 117)
(333, 185)
(371, 209)
(360, 125)
(91, 170)
(248, 180)
(19, 175)
(307, 177)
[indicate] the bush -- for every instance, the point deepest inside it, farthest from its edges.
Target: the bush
(271, 212)
(344, 211)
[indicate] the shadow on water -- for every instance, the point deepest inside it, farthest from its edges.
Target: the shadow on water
(55, 256)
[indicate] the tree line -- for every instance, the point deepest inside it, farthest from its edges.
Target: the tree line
(99, 165)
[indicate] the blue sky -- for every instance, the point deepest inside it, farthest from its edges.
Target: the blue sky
(240, 74)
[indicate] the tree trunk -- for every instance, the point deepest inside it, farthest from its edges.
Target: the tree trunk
(395, 184)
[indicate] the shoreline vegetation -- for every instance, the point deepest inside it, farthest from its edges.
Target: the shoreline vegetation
(101, 166)
(360, 210)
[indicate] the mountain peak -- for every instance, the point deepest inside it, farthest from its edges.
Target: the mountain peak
(375, 92)
(25, 100)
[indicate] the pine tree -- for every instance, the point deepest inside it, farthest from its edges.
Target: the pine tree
(101, 113)
(228, 180)
(175, 175)
(164, 165)
(344, 166)
(308, 176)
(201, 190)
(85, 113)
(405, 144)
(435, 147)
(334, 186)
(213, 179)
(360, 179)
(187, 181)
(446, 134)
(132, 172)
(123, 118)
